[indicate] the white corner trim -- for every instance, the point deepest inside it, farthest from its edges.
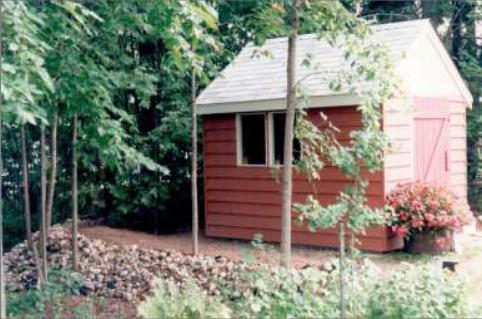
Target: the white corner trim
(239, 147)
(276, 104)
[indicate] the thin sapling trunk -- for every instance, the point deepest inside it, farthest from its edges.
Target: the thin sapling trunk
(287, 183)
(26, 188)
(342, 271)
(53, 169)
(195, 213)
(75, 207)
(43, 195)
(27, 208)
(3, 304)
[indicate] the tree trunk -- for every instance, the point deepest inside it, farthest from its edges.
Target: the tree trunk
(53, 170)
(26, 188)
(43, 195)
(3, 304)
(287, 183)
(456, 28)
(75, 207)
(27, 211)
(195, 213)
(341, 235)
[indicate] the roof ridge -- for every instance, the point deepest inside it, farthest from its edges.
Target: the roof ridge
(377, 27)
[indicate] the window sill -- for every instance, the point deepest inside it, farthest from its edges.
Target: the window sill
(252, 165)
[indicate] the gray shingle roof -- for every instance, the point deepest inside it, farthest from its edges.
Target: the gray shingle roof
(250, 78)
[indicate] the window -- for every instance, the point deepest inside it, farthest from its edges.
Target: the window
(278, 139)
(261, 136)
(253, 139)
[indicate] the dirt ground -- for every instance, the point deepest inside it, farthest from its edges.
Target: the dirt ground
(468, 256)
(234, 249)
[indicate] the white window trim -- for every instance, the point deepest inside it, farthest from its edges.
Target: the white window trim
(239, 140)
(271, 138)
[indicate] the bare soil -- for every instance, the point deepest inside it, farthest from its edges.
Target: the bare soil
(233, 249)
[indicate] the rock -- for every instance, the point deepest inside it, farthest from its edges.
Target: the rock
(87, 288)
(123, 272)
(328, 266)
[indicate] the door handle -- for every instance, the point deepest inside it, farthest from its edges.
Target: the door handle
(446, 159)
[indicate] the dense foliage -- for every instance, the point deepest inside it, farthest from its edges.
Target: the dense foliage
(124, 67)
(416, 207)
(170, 301)
(410, 292)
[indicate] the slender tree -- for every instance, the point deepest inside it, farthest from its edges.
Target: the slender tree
(195, 211)
(26, 188)
(287, 183)
(53, 169)
(27, 208)
(75, 205)
(43, 194)
(3, 310)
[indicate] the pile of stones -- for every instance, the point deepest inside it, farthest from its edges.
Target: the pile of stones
(127, 272)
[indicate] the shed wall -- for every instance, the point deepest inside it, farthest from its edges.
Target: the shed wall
(398, 121)
(458, 147)
(242, 201)
(398, 124)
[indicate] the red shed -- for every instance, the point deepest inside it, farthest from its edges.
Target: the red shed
(243, 116)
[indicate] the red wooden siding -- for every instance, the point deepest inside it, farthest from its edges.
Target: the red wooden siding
(244, 201)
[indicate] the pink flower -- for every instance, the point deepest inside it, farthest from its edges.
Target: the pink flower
(440, 241)
(401, 231)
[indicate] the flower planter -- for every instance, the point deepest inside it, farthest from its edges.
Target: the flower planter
(427, 243)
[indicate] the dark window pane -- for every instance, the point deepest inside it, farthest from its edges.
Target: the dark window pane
(279, 139)
(253, 139)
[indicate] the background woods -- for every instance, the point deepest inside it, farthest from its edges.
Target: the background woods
(124, 70)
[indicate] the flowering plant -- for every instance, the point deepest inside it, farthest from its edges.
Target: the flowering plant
(417, 206)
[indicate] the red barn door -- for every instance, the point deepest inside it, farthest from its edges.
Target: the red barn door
(431, 139)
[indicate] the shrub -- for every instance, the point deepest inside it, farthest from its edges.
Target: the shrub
(422, 292)
(407, 292)
(33, 302)
(415, 207)
(410, 292)
(278, 293)
(170, 301)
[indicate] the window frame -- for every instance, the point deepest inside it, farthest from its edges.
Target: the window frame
(271, 138)
(239, 140)
(271, 141)
(268, 136)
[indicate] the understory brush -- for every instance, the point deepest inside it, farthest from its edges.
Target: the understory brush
(170, 301)
(408, 292)
(35, 303)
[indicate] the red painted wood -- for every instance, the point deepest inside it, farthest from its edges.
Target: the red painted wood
(375, 244)
(243, 201)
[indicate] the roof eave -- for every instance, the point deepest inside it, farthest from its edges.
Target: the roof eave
(335, 100)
